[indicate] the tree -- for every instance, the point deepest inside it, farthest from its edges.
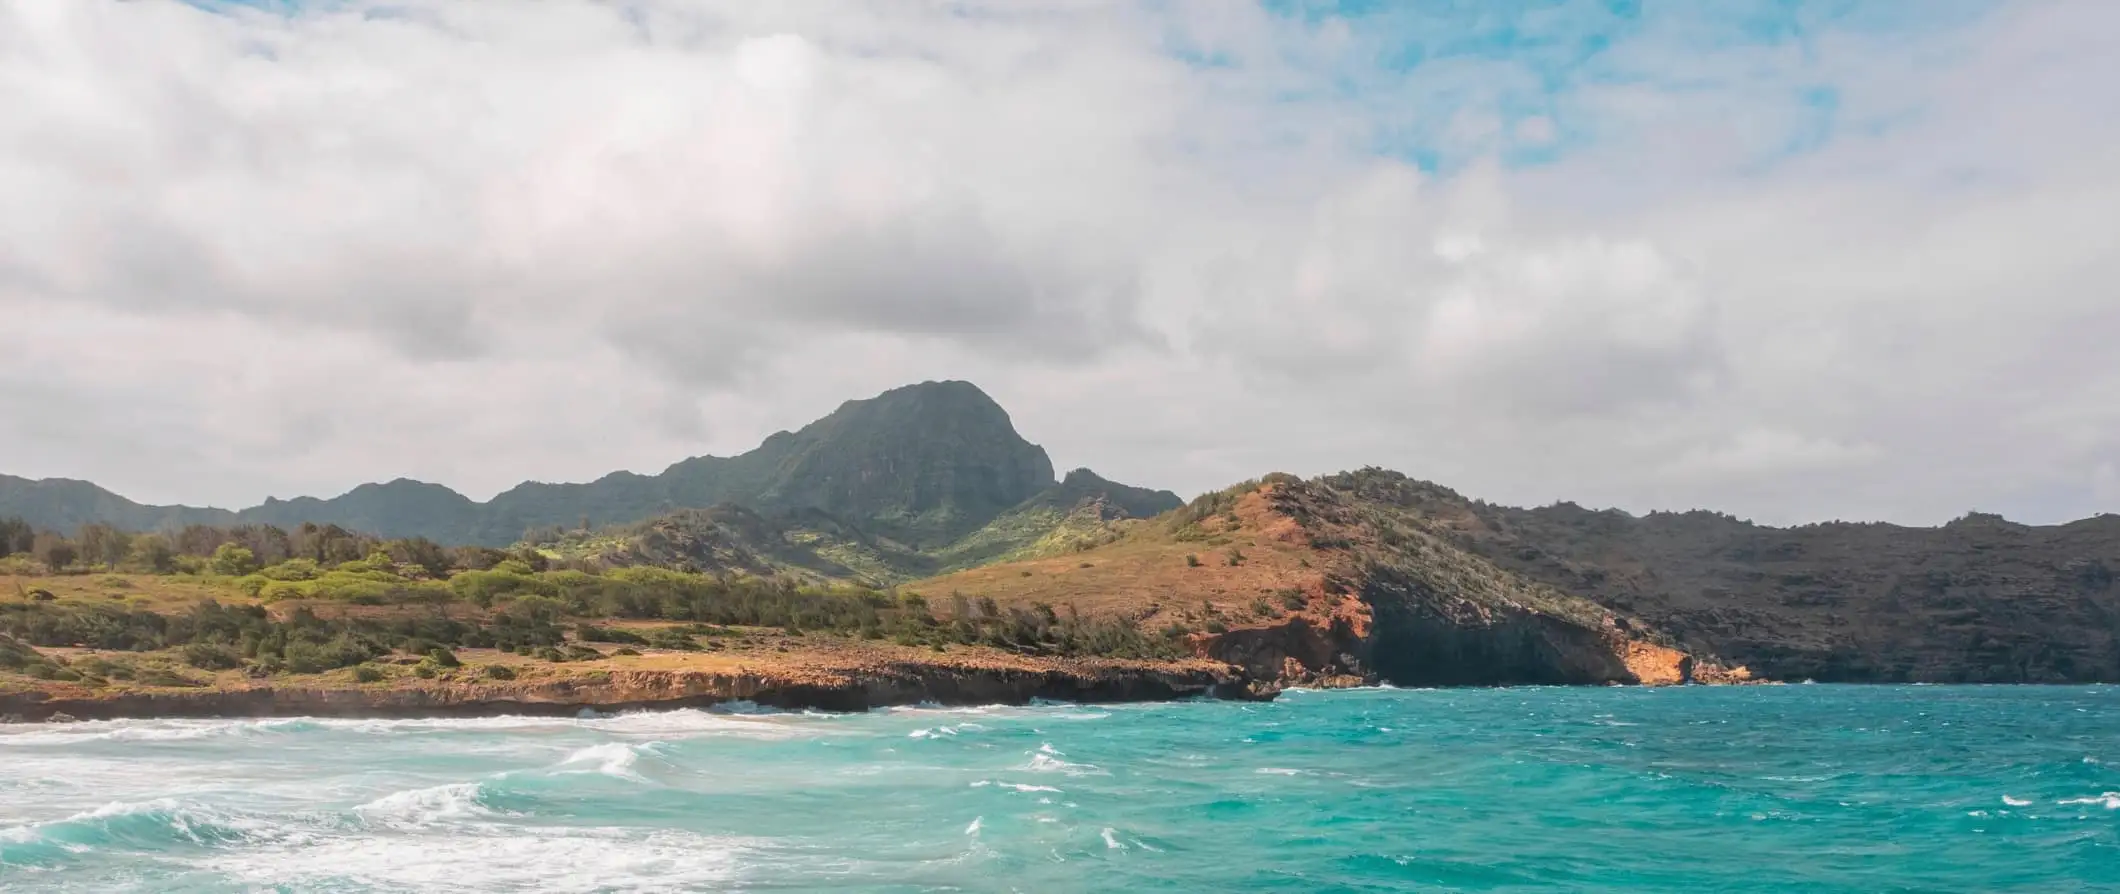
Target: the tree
(427, 554)
(54, 551)
(153, 553)
(102, 543)
(16, 536)
(231, 559)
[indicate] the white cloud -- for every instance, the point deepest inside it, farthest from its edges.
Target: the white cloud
(251, 253)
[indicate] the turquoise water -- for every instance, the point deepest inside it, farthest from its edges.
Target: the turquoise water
(1811, 788)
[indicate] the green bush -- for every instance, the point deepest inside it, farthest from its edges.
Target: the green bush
(368, 673)
(212, 656)
(233, 560)
(292, 570)
(499, 672)
(671, 638)
(590, 633)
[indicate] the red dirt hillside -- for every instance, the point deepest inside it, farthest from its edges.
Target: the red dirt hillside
(1334, 582)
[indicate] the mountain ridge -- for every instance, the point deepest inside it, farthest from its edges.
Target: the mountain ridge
(922, 465)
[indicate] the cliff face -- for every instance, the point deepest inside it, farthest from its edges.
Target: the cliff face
(1333, 584)
(1980, 600)
(1437, 615)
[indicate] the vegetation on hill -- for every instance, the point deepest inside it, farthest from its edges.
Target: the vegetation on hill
(265, 601)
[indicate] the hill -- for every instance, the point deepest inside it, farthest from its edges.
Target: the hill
(1333, 582)
(916, 469)
(1978, 600)
(1373, 575)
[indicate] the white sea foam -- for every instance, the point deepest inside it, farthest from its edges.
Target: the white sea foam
(1048, 762)
(2110, 800)
(693, 723)
(977, 823)
(1278, 771)
(146, 731)
(177, 818)
(615, 759)
(454, 802)
(514, 859)
(936, 732)
(1111, 839)
(2016, 802)
(1029, 788)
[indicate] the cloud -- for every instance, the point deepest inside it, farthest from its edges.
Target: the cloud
(1808, 262)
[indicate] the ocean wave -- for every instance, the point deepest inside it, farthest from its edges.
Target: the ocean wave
(614, 759)
(151, 731)
(695, 723)
(1048, 759)
(155, 825)
(510, 858)
(455, 802)
(2109, 800)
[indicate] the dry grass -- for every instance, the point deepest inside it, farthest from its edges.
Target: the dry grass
(1146, 572)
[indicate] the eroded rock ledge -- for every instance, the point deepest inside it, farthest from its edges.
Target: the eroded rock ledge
(621, 690)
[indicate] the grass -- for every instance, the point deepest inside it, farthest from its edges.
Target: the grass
(1144, 573)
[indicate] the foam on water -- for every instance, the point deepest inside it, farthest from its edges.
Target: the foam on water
(1714, 787)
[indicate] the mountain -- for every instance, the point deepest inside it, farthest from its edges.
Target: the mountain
(899, 475)
(917, 468)
(1374, 575)
(63, 504)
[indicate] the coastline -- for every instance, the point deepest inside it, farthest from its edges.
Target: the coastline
(829, 680)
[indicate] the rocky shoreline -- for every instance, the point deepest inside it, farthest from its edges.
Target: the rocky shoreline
(627, 690)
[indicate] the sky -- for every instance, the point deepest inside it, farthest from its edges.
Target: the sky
(1795, 261)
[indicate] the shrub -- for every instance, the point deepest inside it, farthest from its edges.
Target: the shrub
(626, 651)
(1216, 626)
(307, 657)
(1192, 560)
(292, 569)
(499, 672)
(159, 676)
(442, 657)
(368, 673)
(672, 638)
(425, 671)
(593, 634)
(212, 656)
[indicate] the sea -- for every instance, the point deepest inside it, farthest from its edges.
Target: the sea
(1699, 789)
